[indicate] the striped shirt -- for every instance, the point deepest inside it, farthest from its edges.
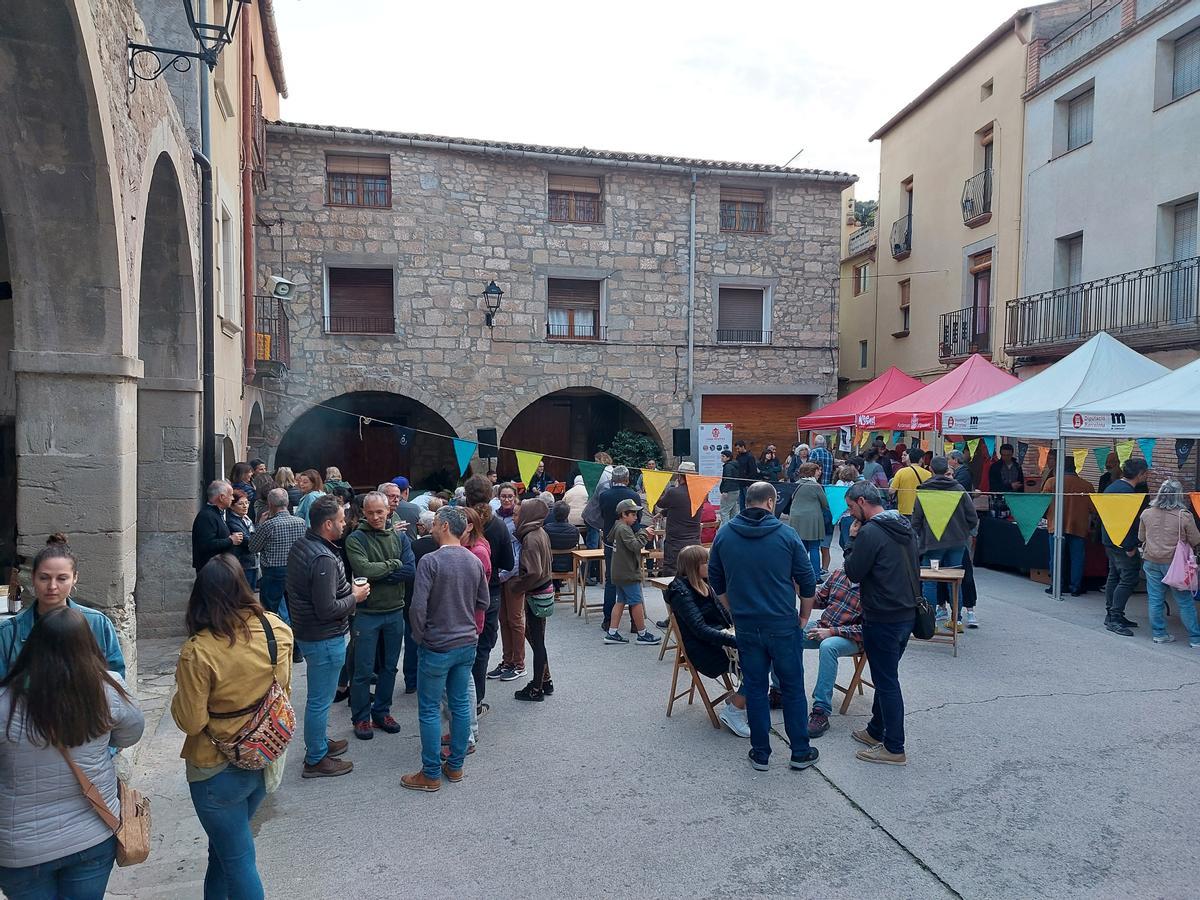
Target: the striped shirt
(275, 537)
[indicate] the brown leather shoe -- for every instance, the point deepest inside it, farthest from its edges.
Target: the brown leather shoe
(864, 737)
(418, 782)
(454, 776)
(327, 768)
(336, 748)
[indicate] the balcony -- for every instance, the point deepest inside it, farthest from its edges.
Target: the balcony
(902, 237)
(743, 336)
(977, 199)
(585, 331)
(272, 348)
(861, 240)
(360, 324)
(1148, 309)
(963, 332)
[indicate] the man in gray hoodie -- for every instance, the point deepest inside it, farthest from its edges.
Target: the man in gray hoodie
(450, 596)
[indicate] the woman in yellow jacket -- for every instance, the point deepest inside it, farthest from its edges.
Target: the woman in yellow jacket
(225, 666)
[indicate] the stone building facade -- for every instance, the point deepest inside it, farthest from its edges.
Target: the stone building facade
(461, 214)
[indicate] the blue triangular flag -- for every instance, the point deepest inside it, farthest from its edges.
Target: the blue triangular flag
(464, 450)
(836, 495)
(990, 443)
(897, 437)
(1147, 445)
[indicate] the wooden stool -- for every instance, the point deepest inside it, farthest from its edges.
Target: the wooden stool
(670, 640)
(697, 683)
(856, 681)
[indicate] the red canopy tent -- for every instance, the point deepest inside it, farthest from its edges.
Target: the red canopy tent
(891, 385)
(974, 380)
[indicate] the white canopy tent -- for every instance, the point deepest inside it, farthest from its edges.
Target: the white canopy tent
(1037, 407)
(1166, 406)
(1032, 409)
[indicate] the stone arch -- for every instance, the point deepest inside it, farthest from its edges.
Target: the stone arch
(256, 432)
(571, 423)
(168, 398)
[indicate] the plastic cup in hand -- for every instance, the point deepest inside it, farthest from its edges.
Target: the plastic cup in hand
(359, 582)
(935, 564)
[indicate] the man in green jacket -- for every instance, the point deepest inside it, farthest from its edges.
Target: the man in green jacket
(384, 557)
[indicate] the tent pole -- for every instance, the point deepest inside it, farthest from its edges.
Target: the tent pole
(1059, 475)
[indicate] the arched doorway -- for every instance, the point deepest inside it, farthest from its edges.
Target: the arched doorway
(572, 423)
(256, 433)
(364, 434)
(168, 424)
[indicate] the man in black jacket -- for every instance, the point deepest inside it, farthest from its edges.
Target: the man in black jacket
(730, 487)
(882, 559)
(747, 470)
(949, 547)
(478, 494)
(210, 531)
(619, 490)
(320, 601)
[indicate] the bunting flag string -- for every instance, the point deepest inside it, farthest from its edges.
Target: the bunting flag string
(1101, 454)
(1124, 451)
(698, 487)
(654, 482)
(972, 446)
(1028, 510)
(463, 451)
(990, 443)
(1147, 448)
(591, 472)
(527, 463)
(1080, 459)
(938, 507)
(1117, 512)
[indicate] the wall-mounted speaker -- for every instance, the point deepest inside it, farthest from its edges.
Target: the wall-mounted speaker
(488, 442)
(681, 440)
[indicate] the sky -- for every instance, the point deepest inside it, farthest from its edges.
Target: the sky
(750, 81)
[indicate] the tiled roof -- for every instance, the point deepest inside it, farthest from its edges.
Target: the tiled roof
(583, 154)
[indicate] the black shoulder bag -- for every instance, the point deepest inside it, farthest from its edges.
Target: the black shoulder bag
(925, 623)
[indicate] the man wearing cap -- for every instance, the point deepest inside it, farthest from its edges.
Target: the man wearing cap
(406, 511)
(625, 573)
(683, 525)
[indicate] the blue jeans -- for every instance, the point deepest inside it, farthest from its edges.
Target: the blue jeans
(370, 631)
(884, 644)
(844, 524)
(79, 876)
(324, 660)
(592, 542)
(225, 804)
(1157, 593)
(408, 664)
(950, 557)
(814, 555)
(447, 673)
(760, 650)
(1073, 548)
(270, 590)
(829, 651)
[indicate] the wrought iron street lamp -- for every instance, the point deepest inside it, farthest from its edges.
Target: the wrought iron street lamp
(147, 62)
(492, 295)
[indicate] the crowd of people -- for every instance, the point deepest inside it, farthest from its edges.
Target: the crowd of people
(369, 588)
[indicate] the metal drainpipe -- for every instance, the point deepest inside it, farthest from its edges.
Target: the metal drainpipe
(691, 354)
(208, 445)
(250, 345)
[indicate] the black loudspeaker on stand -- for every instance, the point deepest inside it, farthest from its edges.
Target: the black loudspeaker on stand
(488, 442)
(681, 439)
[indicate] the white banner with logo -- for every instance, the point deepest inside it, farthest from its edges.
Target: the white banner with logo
(713, 439)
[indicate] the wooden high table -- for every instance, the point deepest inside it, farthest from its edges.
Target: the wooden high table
(953, 577)
(580, 560)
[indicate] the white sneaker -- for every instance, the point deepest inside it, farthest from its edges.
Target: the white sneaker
(943, 614)
(735, 720)
(1165, 639)
(969, 618)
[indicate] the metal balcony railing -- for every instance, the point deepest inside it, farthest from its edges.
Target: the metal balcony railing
(977, 197)
(579, 332)
(963, 332)
(360, 324)
(743, 336)
(902, 237)
(861, 239)
(1152, 308)
(272, 341)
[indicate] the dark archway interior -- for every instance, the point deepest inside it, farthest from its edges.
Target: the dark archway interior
(369, 453)
(167, 299)
(572, 423)
(8, 421)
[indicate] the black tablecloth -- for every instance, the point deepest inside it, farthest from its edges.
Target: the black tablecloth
(1001, 546)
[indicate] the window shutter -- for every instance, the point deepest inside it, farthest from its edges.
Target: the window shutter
(1079, 120)
(345, 164)
(1185, 231)
(1186, 71)
(572, 293)
(743, 195)
(740, 309)
(361, 292)
(1075, 261)
(575, 183)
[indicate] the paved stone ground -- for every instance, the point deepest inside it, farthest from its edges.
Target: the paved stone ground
(1050, 759)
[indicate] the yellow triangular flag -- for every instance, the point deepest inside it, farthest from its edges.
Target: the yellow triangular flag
(698, 487)
(972, 446)
(1117, 512)
(938, 507)
(653, 483)
(862, 439)
(1080, 459)
(1124, 451)
(947, 446)
(527, 464)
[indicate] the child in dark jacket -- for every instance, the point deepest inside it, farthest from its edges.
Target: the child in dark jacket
(626, 575)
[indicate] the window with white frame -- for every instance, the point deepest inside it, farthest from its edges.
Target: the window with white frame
(741, 316)
(862, 354)
(228, 267)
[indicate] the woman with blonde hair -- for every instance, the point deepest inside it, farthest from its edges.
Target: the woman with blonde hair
(286, 479)
(706, 629)
(1161, 527)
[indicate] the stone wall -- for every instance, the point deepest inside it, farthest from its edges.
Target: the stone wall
(459, 220)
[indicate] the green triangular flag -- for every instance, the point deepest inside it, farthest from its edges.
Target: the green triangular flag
(1027, 510)
(591, 472)
(1101, 456)
(972, 446)
(938, 507)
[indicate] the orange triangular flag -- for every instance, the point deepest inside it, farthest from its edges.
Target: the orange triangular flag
(1195, 495)
(1043, 455)
(698, 487)
(1117, 512)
